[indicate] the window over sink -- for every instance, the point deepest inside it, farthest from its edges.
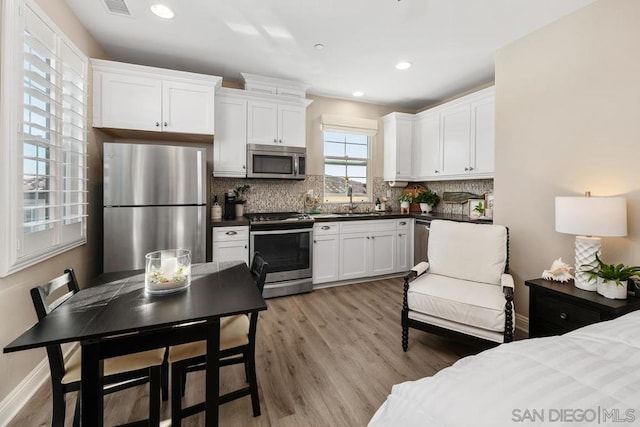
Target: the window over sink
(347, 158)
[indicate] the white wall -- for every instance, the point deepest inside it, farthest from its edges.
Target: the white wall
(568, 121)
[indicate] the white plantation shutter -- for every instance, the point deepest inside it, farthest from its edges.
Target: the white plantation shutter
(50, 111)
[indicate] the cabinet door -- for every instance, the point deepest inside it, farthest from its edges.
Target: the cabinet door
(430, 163)
(326, 258)
(483, 117)
(262, 122)
(230, 140)
(187, 107)
(292, 125)
(231, 251)
(455, 128)
(353, 255)
(397, 147)
(382, 253)
(404, 245)
(131, 102)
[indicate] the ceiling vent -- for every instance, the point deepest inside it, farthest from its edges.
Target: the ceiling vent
(119, 7)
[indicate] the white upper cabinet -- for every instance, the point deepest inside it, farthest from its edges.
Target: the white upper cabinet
(276, 123)
(454, 140)
(230, 140)
(455, 133)
(135, 97)
(427, 147)
(398, 134)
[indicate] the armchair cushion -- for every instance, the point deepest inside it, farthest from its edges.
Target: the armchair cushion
(462, 301)
(468, 251)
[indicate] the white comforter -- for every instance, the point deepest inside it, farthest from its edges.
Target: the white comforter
(588, 377)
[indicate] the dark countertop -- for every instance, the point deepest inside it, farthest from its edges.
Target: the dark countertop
(362, 216)
(395, 215)
(236, 222)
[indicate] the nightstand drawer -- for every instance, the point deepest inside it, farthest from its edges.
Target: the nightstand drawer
(564, 315)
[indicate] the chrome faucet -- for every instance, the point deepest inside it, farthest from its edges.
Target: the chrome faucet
(351, 206)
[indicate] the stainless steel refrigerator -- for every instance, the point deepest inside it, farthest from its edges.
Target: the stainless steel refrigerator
(154, 198)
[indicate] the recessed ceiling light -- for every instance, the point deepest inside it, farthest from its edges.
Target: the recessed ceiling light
(162, 11)
(318, 46)
(358, 93)
(403, 65)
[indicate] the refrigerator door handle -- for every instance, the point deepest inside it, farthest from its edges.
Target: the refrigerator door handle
(200, 183)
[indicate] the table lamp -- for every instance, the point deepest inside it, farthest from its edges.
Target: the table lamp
(590, 218)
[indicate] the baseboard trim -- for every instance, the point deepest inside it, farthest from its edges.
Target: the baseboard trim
(522, 323)
(20, 395)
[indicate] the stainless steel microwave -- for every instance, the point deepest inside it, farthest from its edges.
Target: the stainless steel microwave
(276, 161)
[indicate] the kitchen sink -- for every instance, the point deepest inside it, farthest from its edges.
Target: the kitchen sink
(357, 213)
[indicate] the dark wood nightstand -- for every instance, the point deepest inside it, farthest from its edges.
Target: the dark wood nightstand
(556, 308)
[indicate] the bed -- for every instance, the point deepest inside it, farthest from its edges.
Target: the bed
(590, 376)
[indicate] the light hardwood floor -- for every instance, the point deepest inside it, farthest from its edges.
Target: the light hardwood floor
(328, 358)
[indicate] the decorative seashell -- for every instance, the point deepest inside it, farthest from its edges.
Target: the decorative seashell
(559, 271)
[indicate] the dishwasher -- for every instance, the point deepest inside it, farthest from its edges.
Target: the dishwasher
(420, 240)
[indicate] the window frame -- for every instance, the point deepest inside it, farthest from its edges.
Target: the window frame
(19, 250)
(336, 197)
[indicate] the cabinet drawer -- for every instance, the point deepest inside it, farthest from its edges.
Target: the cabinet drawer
(367, 226)
(227, 234)
(564, 315)
(403, 224)
(326, 228)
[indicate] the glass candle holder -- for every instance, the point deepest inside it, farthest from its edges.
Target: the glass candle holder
(167, 271)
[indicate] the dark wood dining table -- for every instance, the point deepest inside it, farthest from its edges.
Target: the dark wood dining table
(119, 317)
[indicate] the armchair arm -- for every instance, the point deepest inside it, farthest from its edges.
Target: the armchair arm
(507, 289)
(416, 271)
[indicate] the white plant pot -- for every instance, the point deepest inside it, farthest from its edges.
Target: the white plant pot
(610, 289)
(425, 207)
(239, 209)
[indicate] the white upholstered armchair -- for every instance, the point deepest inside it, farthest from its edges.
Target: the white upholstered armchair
(464, 288)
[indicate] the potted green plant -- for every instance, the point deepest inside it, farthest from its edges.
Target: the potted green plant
(405, 200)
(611, 278)
(240, 193)
(427, 199)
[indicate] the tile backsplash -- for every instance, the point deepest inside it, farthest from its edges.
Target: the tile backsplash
(282, 195)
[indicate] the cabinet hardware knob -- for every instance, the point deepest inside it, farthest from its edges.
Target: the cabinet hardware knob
(470, 168)
(368, 237)
(275, 140)
(466, 169)
(245, 246)
(325, 227)
(157, 124)
(403, 223)
(166, 124)
(563, 316)
(231, 233)
(280, 141)
(398, 173)
(244, 167)
(314, 241)
(436, 171)
(373, 237)
(399, 235)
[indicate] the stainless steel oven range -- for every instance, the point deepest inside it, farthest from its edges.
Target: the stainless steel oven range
(284, 240)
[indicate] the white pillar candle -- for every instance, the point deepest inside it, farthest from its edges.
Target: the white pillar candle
(169, 266)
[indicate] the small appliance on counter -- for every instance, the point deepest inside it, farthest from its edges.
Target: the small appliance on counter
(216, 210)
(229, 205)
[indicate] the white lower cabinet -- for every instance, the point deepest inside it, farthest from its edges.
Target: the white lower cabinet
(326, 252)
(351, 250)
(404, 245)
(231, 244)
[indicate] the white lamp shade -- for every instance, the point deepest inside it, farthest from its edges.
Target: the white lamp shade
(592, 216)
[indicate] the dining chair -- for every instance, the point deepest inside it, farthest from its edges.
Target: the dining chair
(237, 345)
(119, 372)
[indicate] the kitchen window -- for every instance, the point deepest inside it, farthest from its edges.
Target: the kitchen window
(347, 157)
(346, 162)
(44, 124)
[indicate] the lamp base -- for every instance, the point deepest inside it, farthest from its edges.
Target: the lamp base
(586, 250)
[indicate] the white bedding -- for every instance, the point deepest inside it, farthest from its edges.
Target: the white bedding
(590, 376)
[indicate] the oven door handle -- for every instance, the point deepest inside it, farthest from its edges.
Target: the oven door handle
(283, 231)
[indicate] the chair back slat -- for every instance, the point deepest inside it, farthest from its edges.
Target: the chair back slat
(40, 294)
(259, 269)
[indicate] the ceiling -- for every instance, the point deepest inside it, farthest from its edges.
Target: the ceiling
(450, 43)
